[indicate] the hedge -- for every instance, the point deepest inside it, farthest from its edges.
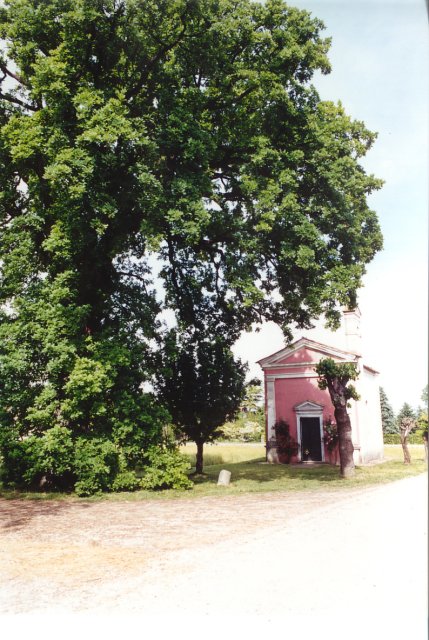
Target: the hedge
(395, 438)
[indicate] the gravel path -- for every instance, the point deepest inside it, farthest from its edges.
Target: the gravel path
(301, 562)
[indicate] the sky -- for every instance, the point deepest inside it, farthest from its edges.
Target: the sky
(379, 73)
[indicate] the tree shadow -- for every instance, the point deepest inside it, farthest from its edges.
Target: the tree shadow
(17, 513)
(263, 472)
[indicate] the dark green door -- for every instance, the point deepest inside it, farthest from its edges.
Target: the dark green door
(310, 439)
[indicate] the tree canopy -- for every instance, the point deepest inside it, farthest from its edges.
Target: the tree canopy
(182, 141)
(202, 385)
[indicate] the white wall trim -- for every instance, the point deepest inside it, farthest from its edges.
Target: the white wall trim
(278, 376)
(290, 365)
(288, 351)
(271, 409)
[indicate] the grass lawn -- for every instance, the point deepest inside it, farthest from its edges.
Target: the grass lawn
(250, 474)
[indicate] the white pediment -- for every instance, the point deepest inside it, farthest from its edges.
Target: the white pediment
(274, 360)
(308, 407)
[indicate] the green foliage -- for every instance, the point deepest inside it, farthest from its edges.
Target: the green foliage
(249, 424)
(415, 437)
(126, 481)
(246, 428)
(96, 464)
(388, 419)
(177, 139)
(20, 460)
(201, 384)
(167, 469)
(406, 412)
(287, 447)
(338, 375)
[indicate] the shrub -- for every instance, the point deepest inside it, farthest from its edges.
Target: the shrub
(46, 461)
(166, 470)
(96, 465)
(247, 428)
(395, 438)
(126, 481)
(287, 447)
(20, 461)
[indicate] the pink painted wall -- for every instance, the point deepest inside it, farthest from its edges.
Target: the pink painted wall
(301, 355)
(292, 391)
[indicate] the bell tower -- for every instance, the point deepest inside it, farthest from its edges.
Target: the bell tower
(352, 330)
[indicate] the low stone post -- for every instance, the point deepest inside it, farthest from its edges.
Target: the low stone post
(224, 478)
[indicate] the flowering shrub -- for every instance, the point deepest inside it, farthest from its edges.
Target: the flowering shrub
(330, 435)
(287, 447)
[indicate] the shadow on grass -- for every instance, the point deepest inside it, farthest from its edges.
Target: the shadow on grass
(256, 475)
(261, 472)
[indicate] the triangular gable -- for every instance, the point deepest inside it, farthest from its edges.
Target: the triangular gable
(308, 407)
(291, 353)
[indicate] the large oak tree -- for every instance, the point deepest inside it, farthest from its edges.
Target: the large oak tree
(176, 138)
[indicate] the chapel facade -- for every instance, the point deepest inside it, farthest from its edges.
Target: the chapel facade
(292, 395)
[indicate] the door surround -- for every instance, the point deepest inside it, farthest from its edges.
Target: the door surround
(309, 409)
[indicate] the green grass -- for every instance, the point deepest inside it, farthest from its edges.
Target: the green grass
(225, 453)
(250, 474)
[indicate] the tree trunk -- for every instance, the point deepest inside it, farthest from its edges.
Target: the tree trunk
(345, 443)
(199, 460)
(404, 442)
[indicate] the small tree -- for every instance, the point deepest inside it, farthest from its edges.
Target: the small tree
(336, 378)
(406, 411)
(388, 419)
(408, 424)
(202, 386)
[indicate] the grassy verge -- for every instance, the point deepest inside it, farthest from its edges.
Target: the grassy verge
(250, 474)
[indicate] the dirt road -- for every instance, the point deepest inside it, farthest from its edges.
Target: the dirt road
(273, 561)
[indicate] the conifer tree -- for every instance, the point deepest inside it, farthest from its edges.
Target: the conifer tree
(387, 414)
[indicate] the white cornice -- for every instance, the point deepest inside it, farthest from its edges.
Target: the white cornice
(273, 360)
(278, 376)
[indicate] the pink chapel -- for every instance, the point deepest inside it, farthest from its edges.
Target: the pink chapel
(292, 394)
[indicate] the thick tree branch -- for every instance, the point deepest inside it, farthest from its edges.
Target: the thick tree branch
(15, 100)
(15, 76)
(154, 59)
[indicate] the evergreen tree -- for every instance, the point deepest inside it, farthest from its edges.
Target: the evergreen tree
(387, 414)
(424, 398)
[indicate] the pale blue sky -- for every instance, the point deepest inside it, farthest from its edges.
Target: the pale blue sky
(379, 59)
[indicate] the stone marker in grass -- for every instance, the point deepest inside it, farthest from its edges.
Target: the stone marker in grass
(224, 478)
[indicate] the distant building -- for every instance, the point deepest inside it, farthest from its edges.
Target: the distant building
(292, 394)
